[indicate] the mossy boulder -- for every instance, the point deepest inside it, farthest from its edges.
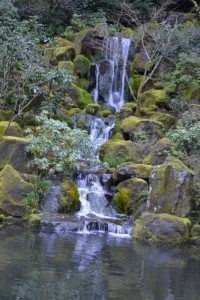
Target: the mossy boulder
(82, 83)
(151, 128)
(80, 96)
(61, 42)
(81, 65)
(83, 43)
(195, 230)
(67, 65)
(74, 110)
(13, 190)
(13, 152)
(166, 119)
(69, 199)
(116, 152)
(162, 228)
(92, 109)
(171, 188)
(104, 113)
(153, 97)
(129, 170)
(159, 152)
(139, 63)
(125, 112)
(65, 53)
(129, 196)
(14, 129)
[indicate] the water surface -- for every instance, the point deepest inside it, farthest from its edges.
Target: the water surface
(94, 266)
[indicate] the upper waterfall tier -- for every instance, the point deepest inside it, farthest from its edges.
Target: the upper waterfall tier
(111, 73)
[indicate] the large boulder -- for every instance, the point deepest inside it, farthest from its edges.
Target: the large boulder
(13, 190)
(80, 96)
(69, 198)
(13, 152)
(130, 195)
(133, 126)
(129, 170)
(159, 152)
(171, 188)
(162, 228)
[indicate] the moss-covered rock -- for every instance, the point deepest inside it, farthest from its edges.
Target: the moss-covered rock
(125, 112)
(92, 109)
(129, 170)
(139, 63)
(61, 42)
(166, 119)
(195, 230)
(104, 113)
(14, 129)
(116, 152)
(13, 190)
(128, 198)
(69, 198)
(159, 152)
(153, 97)
(191, 94)
(65, 53)
(162, 228)
(81, 65)
(82, 83)
(67, 65)
(80, 96)
(74, 110)
(83, 42)
(171, 188)
(151, 128)
(13, 152)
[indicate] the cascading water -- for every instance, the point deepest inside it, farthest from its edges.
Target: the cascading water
(111, 73)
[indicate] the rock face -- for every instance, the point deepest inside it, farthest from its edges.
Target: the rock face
(13, 152)
(171, 188)
(13, 190)
(158, 154)
(69, 198)
(129, 170)
(130, 195)
(163, 228)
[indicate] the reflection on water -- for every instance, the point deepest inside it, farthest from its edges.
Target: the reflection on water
(100, 267)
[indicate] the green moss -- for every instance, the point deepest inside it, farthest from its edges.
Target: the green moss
(166, 119)
(65, 53)
(122, 203)
(152, 97)
(105, 113)
(139, 64)
(117, 136)
(128, 198)
(81, 123)
(5, 115)
(135, 81)
(92, 109)
(83, 83)
(131, 123)
(73, 111)
(69, 199)
(131, 105)
(81, 65)
(67, 65)
(83, 97)
(14, 129)
(114, 152)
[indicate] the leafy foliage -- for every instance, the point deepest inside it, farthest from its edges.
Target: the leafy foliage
(57, 147)
(41, 188)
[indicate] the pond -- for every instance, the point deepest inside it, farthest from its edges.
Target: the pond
(35, 265)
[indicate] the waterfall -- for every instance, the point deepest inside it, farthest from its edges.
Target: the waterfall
(110, 73)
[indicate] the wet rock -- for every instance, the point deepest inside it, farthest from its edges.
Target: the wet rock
(162, 228)
(69, 198)
(171, 188)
